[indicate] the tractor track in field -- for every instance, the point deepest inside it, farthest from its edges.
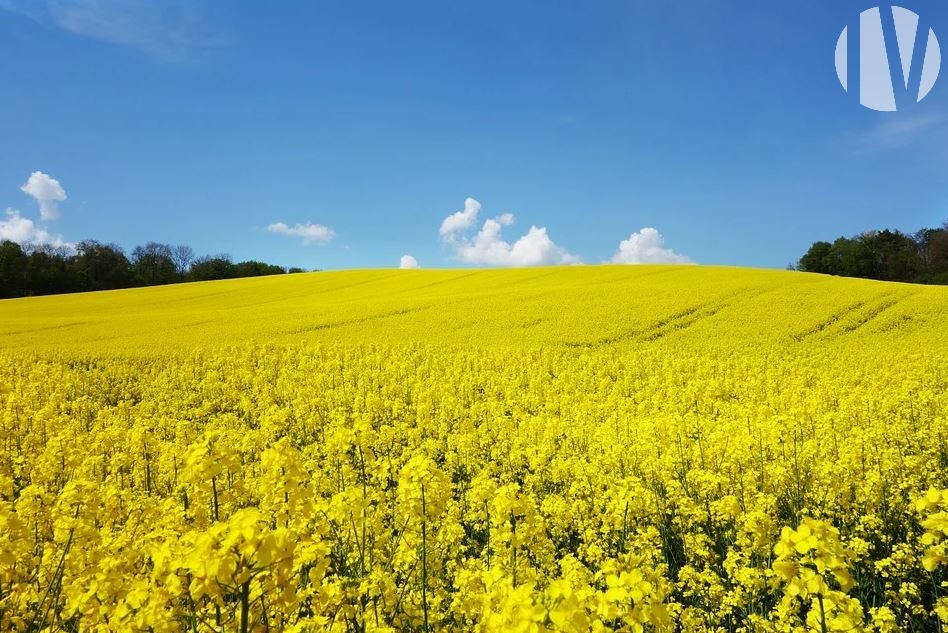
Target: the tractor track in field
(626, 279)
(686, 318)
(348, 286)
(873, 312)
(47, 328)
(315, 327)
(674, 322)
(684, 321)
(677, 321)
(442, 282)
(886, 304)
(366, 319)
(863, 313)
(828, 322)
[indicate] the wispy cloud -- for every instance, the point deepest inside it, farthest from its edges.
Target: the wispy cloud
(899, 131)
(311, 233)
(170, 29)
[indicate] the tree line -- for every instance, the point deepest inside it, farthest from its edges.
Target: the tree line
(32, 270)
(885, 255)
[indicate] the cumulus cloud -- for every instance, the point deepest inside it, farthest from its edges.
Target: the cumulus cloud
(647, 246)
(24, 231)
(462, 220)
(47, 192)
(311, 233)
(408, 262)
(535, 248)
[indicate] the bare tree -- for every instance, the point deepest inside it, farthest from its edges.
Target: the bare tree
(183, 257)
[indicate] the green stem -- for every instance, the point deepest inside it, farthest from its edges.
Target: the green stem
(513, 549)
(214, 490)
(424, 560)
(245, 607)
(819, 599)
(487, 509)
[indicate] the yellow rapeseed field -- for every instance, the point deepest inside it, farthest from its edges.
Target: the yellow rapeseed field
(572, 449)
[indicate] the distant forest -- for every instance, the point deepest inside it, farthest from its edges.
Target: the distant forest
(45, 270)
(885, 255)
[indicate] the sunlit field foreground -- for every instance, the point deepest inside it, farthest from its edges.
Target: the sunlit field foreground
(563, 449)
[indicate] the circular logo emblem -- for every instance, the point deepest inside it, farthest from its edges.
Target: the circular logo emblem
(876, 86)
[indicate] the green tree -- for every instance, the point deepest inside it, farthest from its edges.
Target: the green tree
(100, 266)
(154, 265)
(13, 277)
(211, 268)
(817, 259)
(48, 270)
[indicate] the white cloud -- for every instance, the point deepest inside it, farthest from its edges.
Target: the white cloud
(535, 248)
(24, 231)
(408, 262)
(647, 247)
(462, 220)
(48, 194)
(311, 233)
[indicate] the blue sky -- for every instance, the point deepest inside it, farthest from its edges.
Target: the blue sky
(722, 126)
